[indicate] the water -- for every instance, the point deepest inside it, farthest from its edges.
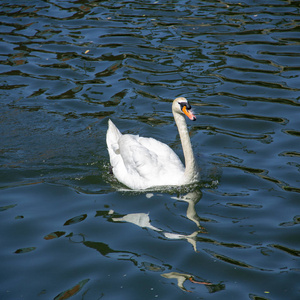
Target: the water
(67, 231)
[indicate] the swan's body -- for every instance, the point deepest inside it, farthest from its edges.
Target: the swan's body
(141, 163)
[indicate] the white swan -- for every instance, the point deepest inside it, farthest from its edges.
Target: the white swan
(141, 163)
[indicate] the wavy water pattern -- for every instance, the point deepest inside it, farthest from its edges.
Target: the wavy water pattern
(68, 66)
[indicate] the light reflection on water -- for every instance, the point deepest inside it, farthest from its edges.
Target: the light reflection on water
(68, 66)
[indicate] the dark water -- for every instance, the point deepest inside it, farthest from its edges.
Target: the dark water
(67, 231)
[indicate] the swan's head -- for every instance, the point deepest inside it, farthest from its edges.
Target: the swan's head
(182, 106)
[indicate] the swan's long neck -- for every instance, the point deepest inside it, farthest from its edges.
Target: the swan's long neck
(191, 169)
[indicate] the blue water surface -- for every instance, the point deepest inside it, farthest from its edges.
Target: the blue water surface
(68, 229)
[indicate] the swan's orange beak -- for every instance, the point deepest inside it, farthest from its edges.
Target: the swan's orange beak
(189, 114)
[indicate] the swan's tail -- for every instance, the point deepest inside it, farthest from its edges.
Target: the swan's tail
(112, 137)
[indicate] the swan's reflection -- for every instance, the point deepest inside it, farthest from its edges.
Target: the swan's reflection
(181, 278)
(142, 219)
(192, 199)
(191, 238)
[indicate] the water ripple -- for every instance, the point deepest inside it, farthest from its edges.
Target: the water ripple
(66, 67)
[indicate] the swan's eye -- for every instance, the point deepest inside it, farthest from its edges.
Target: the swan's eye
(185, 104)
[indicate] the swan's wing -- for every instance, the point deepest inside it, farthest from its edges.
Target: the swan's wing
(136, 157)
(164, 153)
(141, 162)
(148, 162)
(112, 137)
